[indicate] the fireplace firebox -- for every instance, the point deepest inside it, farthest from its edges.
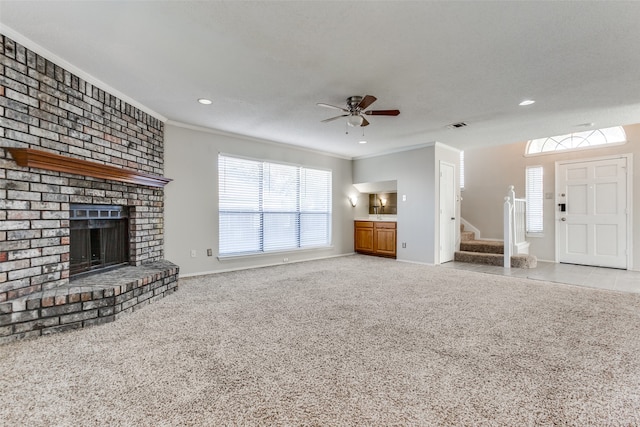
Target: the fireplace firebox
(99, 238)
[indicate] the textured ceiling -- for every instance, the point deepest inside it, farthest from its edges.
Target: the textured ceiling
(266, 64)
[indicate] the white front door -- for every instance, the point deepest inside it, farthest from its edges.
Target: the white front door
(447, 212)
(591, 212)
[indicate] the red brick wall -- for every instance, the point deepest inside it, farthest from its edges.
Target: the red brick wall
(45, 107)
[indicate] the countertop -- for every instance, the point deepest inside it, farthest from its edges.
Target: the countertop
(381, 218)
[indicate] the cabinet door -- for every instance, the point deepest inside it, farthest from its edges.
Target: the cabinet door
(363, 238)
(385, 241)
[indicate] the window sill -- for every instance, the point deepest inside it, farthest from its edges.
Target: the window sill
(535, 235)
(274, 253)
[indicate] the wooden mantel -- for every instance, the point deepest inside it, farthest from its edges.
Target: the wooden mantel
(28, 157)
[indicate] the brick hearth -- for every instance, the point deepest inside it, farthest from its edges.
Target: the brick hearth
(88, 301)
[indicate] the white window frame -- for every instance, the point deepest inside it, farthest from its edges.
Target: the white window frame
(262, 211)
(579, 135)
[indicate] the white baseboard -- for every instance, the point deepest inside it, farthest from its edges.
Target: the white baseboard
(227, 270)
(416, 262)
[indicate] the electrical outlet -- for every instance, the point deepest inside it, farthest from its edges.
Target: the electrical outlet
(193, 253)
(285, 259)
(209, 252)
(404, 197)
(404, 245)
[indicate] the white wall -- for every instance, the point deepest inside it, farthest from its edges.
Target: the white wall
(490, 170)
(414, 172)
(191, 199)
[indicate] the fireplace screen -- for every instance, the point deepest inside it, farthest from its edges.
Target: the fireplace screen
(99, 237)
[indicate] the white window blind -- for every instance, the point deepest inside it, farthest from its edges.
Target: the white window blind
(267, 207)
(535, 199)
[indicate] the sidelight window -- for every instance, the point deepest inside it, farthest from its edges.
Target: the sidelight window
(535, 199)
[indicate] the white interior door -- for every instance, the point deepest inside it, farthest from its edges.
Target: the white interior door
(447, 212)
(591, 212)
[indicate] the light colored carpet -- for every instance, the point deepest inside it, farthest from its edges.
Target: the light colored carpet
(348, 341)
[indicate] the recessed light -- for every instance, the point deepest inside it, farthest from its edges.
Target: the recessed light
(362, 142)
(205, 101)
(527, 102)
(586, 125)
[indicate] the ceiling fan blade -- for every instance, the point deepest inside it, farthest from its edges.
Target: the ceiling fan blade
(333, 118)
(382, 112)
(366, 101)
(322, 104)
(365, 122)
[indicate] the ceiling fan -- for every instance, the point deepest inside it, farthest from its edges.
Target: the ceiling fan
(356, 107)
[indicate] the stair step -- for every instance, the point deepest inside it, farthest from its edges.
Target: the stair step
(517, 261)
(479, 258)
(465, 236)
(484, 246)
(524, 261)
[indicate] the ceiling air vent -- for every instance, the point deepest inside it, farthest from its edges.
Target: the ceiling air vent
(457, 125)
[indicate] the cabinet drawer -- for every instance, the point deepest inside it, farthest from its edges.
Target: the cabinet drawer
(364, 224)
(385, 225)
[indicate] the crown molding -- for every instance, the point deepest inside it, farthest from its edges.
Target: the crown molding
(397, 150)
(254, 139)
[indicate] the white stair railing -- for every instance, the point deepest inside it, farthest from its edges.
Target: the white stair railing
(514, 226)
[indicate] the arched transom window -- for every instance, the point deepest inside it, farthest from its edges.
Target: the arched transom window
(577, 140)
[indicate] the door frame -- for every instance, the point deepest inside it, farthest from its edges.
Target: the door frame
(629, 200)
(454, 235)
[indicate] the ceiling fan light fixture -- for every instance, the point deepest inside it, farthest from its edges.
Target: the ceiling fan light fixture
(356, 109)
(355, 120)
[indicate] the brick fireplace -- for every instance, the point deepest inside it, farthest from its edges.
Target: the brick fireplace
(64, 143)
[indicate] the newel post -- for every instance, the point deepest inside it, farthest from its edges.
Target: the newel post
(507, 232)
(511, 193)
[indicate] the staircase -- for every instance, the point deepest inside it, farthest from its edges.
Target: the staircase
(488, 252)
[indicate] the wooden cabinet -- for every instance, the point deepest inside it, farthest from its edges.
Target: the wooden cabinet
(375, 238)
(384, 238)
(363, 236)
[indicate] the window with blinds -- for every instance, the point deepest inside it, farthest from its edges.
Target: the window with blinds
(267, 207)
(535, 199)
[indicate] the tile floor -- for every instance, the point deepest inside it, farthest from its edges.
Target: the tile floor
(581, 275)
